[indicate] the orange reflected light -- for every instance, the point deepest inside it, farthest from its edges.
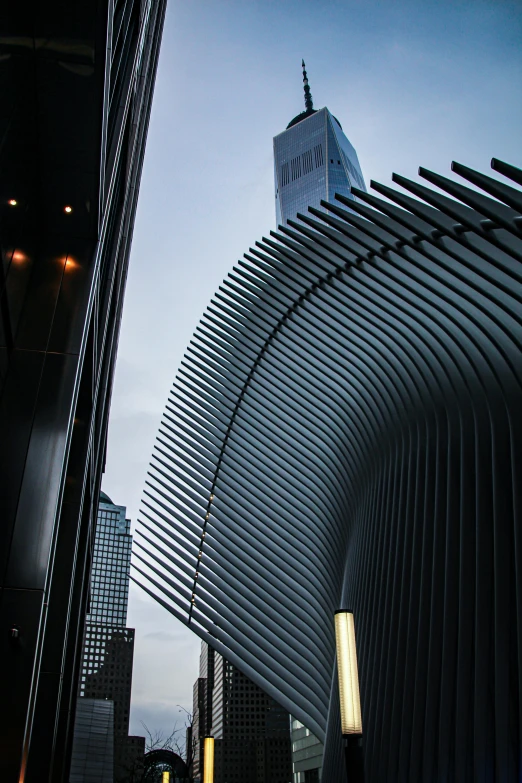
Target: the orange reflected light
(19, 257)
(67, 209)
(12, 202)
(71, 264)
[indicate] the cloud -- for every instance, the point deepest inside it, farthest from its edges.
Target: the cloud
(160, 636)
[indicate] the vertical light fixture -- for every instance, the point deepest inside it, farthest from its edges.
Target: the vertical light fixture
(349, 696)
(351, 720)
(208, 760)
(165, 778)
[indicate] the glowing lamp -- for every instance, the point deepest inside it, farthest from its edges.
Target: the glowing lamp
(351, 720)
(12, 202)
(68, 210)
(165, 778)
(208, 760)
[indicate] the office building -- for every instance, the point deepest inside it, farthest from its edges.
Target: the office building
(92, 758)
(109, 589)
(313, 160)
(251, 731)
(348, 424)
(307, 754)
(202, 709)
(106, 619)
(108, 649)
(76, 83)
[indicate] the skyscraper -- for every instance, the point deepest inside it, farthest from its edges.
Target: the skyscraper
(202, 709)
(251, 731)
(313, 160)
(76, 82)
(109, 588)
(108, 650)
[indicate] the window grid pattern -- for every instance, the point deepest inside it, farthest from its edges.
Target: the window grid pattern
(251, 731)
(109, 592)
(300, 154)
(107, 669)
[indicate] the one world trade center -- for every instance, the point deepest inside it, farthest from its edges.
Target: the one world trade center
(313, 160)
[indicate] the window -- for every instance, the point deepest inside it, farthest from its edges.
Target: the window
(295, 165)
(307, 162)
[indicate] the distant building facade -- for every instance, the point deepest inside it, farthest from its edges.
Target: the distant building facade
(109, 588)
(108, 650)
(313, 160)
(202, 709)
(93, 744)
(307, 754)
(77, 81)
(251, 731)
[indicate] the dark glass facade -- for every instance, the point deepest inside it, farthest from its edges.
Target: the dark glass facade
(93, 746)
(76, 82)
(345, 433)
(202, 708)
(251, 731)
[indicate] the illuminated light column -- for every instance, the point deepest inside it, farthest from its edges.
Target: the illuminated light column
(349, 695)
(208, 760)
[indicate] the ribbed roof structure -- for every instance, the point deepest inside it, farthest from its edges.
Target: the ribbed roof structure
(344, 430)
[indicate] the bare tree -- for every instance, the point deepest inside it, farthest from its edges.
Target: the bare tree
(187, 751)
(158, 740)
(176, 741)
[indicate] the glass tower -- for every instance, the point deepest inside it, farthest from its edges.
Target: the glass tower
(108, 647)
(109, 593)
(252, 733)
(313, 160)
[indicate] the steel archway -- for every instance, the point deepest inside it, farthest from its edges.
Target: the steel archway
(343, 430)
(161, 760)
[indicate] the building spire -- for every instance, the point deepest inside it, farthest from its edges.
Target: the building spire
(308, 95)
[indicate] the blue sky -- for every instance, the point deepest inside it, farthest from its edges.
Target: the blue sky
(412, 83)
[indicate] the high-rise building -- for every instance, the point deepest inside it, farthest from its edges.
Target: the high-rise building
(313, 160)
(202, 708)
(109, 588)
(109, 593)
(348, 426)
(251, 731)
(108, 649)
(76, 81)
